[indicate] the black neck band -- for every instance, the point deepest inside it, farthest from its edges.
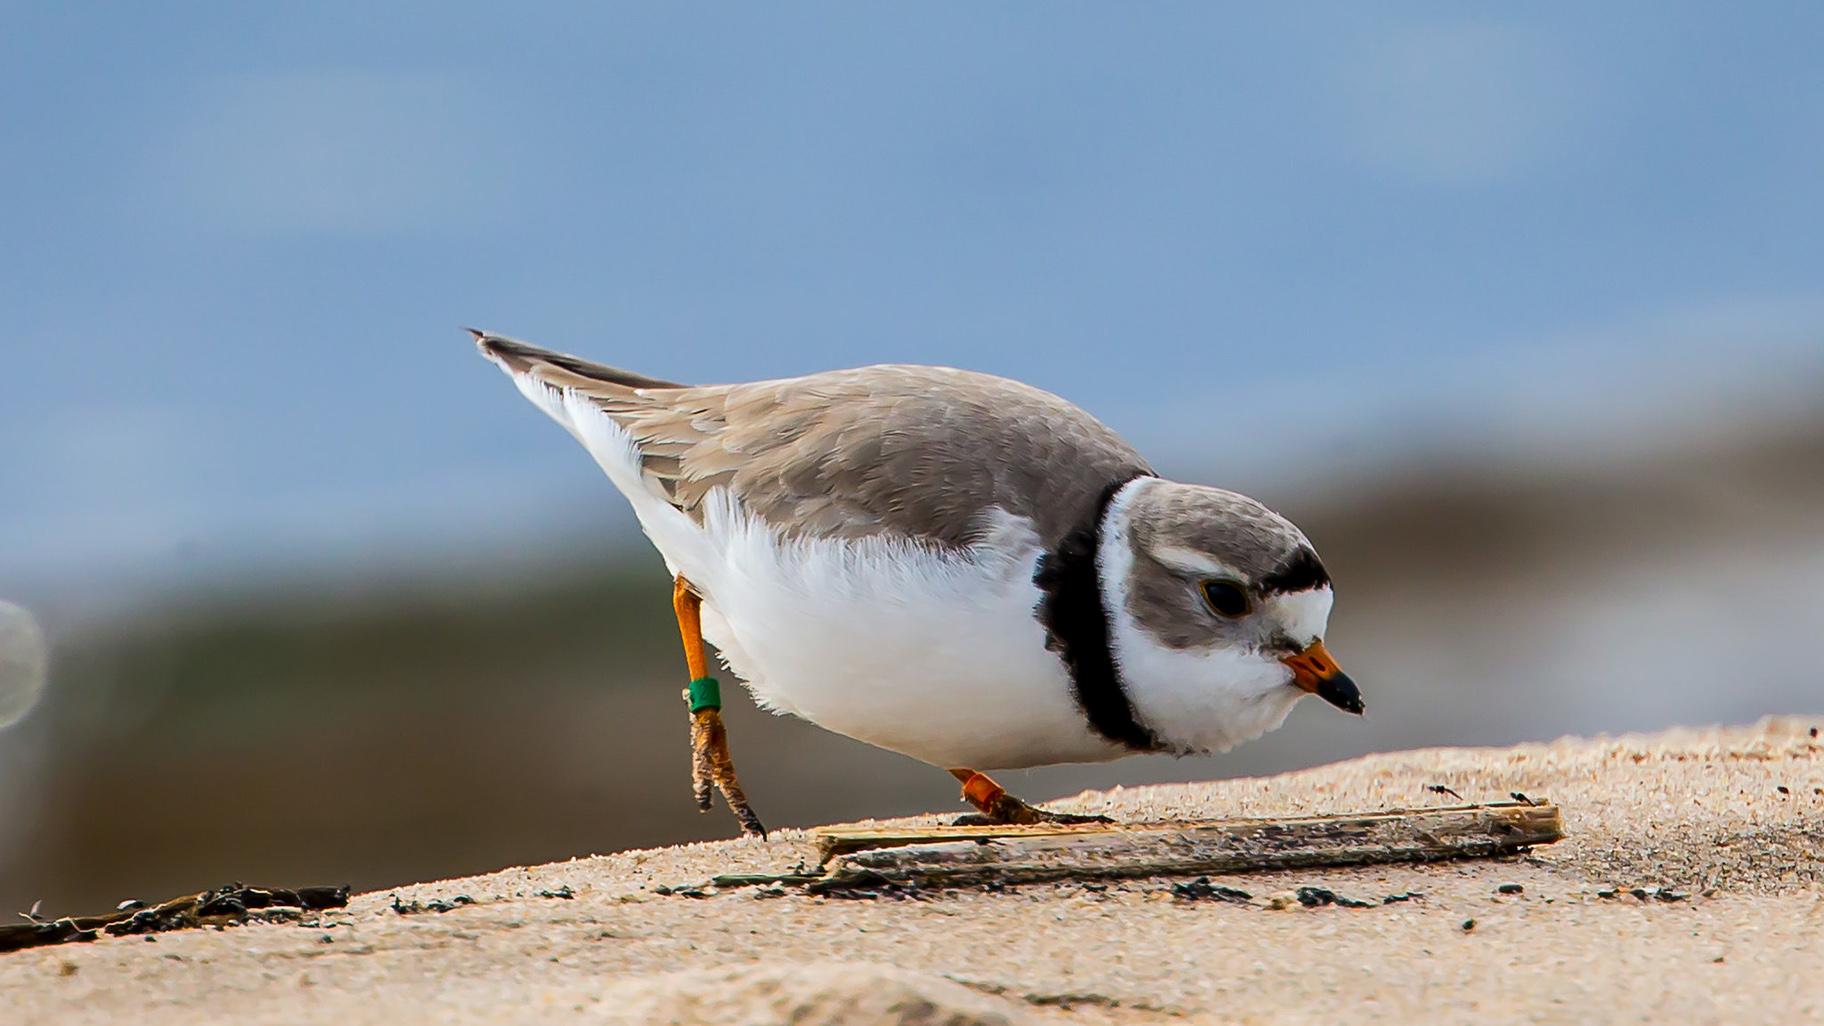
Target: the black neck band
(1076, 628)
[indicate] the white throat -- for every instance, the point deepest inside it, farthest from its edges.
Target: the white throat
(1195, 699)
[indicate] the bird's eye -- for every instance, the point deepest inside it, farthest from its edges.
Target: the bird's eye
(1225, 598)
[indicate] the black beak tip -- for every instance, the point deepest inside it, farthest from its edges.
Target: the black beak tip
(1341, 692)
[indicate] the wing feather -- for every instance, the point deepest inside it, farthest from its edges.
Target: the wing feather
(923, 453)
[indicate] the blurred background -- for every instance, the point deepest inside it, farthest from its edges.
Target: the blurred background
(1519, 311)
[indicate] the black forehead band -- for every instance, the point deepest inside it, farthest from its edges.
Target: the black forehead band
(1302, 572)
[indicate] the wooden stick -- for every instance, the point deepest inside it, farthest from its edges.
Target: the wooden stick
(962, 856)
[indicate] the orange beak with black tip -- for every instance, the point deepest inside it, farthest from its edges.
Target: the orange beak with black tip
(1313, 670)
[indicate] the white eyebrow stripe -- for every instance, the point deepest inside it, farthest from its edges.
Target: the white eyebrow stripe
(1191, 561)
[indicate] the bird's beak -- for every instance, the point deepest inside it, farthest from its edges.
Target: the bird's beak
(1313, 670)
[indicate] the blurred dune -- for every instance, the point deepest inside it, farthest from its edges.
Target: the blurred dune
(310, 730)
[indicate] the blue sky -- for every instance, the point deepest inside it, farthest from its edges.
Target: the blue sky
(241, 237)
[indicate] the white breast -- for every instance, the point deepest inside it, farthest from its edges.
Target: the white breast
(934, 654)
(1199, 699)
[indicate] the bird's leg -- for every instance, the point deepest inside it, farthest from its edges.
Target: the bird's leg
(710, 762)
(998, 808)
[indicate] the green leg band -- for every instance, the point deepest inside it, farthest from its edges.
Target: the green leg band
(705, 693)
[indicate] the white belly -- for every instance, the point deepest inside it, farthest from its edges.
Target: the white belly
(937, 656)
(934, 655)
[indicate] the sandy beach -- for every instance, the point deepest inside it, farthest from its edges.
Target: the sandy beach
(1690, 888)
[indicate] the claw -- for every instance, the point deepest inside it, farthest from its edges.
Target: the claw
(995, 807)
(711, 762)
(1011, 810)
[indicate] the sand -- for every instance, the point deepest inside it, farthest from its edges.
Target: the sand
(1730, 820)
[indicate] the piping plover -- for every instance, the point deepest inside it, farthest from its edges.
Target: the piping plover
(950, 565)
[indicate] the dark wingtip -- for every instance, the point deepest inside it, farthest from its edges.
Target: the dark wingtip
(516, 357)
(482, 338)
(502, 352)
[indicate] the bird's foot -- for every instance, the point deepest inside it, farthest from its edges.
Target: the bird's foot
(995, 807)
(711, 764)
(1022, 813)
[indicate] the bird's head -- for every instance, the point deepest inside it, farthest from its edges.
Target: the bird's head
(1217, 608)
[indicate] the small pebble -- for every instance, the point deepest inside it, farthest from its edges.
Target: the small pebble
(1468, 925)
(1510, 889)
(1783, 789)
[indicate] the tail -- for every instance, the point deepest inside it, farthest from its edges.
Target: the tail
(522, 358)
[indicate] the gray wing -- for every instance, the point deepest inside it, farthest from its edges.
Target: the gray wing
(911, 451)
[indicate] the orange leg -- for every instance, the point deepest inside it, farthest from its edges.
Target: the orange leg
(998, 807)
(710, 762)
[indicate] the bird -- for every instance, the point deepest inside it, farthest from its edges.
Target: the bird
(947, 564)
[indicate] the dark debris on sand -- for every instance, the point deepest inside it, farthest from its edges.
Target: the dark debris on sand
(1201, 889)
(438, 905)
(1315, 897)
(231, 905)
